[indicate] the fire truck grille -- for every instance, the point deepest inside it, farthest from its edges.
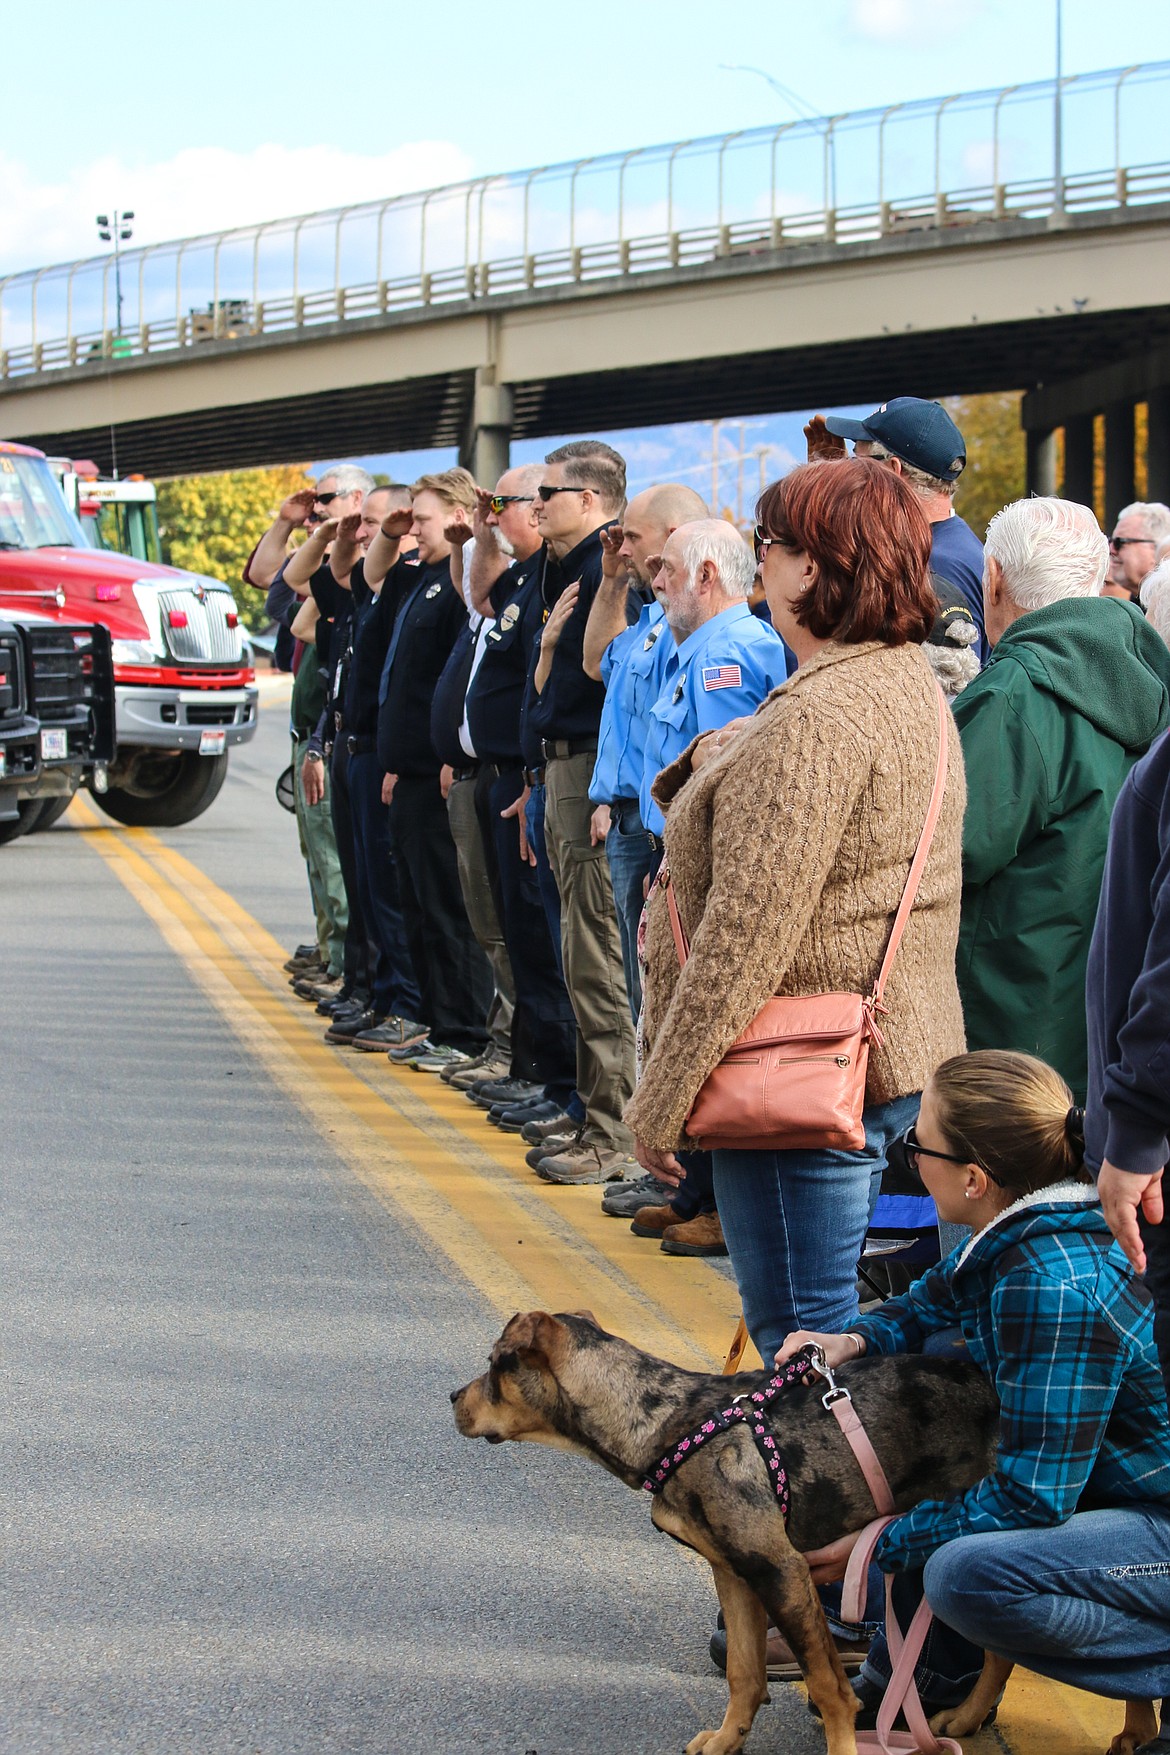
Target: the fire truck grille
(12, 702)
(204, 636)
(60, 684)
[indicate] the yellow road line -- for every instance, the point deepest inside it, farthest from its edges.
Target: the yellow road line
(421, 1151)
(516, 1239)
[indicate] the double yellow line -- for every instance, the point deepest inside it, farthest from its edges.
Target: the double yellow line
(428, 1157)
(417, 1145)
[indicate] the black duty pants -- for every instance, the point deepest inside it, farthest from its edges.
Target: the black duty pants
(395, 985)
(358, 968)
(544, 1029)
(454, 976)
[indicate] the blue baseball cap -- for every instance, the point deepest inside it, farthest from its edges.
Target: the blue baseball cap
(916, 432)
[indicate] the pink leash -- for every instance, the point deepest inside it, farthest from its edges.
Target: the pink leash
(902, 1694)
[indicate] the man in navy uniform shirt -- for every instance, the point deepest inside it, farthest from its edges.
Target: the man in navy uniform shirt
(428, 615)
(504, 582)
(582, 490)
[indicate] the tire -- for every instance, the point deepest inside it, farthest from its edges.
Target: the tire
(180, 789)
(30, 812)
(51, 811)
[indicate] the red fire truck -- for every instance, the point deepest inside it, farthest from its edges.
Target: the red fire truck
(184, 681)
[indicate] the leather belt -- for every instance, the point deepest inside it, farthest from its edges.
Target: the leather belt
(361, 746)
(560, 749)
(468, 773)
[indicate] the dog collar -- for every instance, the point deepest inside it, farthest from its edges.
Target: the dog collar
(747, 1409)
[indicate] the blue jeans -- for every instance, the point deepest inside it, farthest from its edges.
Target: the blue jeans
(794, 1223)
(1086, 1603)
(627, 847)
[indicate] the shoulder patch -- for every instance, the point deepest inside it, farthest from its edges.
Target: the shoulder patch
(510, 615)
(722, 676)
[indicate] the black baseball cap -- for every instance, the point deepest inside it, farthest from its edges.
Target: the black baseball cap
(916, 432)
(954, 625)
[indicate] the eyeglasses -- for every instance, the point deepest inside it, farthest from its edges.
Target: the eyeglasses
(497, 502)
(1117, 543)
(546, 493)
(913, 1150)
(324, 499)
(761, 544)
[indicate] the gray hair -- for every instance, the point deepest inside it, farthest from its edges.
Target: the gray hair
(1156, 599)
(923, 484)
(348, 479)
(715, 540)
(1153, 514)
(1048, 549)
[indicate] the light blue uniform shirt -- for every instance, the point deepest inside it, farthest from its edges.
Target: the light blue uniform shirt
(720, 672)
(631, 670)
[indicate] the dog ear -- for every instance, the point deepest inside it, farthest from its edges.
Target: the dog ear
(533, 1332)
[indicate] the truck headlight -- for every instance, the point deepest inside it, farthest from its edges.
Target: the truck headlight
(134, 652)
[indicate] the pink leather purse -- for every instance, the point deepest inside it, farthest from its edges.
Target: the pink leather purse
(795, 1078)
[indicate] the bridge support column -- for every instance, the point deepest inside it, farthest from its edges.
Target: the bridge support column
(1040, 476)
(1158, 444)
(1119, 460)
(487, 447)
(1078, 459)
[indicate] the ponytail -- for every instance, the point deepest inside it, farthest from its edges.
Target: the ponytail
(1014, 1116)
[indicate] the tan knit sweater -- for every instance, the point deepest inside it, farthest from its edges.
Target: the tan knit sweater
(788, 854)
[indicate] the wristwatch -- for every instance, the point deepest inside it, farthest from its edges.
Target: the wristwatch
(314, 756)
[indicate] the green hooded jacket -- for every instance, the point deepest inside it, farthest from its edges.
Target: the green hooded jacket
(1072, 695)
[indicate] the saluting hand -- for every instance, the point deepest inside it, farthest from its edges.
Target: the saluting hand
(347, 530)
(823, 446)
(480, 527)
(325, 531)
(395, 525)
(612, 565)
(295, 510)
(457, 532)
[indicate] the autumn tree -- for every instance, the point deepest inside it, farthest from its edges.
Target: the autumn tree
(996, 456)
(211, 523)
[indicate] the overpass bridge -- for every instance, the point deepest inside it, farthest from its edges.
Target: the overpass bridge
(928, 248)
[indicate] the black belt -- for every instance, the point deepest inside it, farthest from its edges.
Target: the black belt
(534, 776)
(657, 844)
(560, 749)
(361, 746)
(468, 773)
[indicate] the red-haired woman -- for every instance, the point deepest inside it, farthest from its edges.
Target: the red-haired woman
(789, 841)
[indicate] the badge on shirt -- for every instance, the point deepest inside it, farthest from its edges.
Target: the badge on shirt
(433, 590)
(722, 676)
(509, 615)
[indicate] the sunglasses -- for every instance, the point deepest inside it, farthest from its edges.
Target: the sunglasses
(497, 502)
(913, 1149)
(1117, 543)
(546, 493)
(324, 499)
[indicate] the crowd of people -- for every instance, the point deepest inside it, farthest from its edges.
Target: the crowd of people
(581, 784)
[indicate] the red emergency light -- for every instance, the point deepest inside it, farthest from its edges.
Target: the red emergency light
(108, 593)
(177, 618)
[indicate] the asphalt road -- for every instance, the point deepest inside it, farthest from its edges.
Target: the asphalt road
(238, 1290)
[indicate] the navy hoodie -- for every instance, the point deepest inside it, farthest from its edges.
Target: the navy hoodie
(1128, 982)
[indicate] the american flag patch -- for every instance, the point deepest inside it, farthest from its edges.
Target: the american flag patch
(722, 676)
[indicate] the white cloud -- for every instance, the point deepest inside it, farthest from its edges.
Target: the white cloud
(201, 189)
(903, 21)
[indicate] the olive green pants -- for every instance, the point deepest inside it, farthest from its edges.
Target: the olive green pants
(319, 848)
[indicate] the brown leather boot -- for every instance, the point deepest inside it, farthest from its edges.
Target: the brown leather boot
(653, 1221)
(699, 1236)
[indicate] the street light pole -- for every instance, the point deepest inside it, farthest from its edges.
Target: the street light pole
(1057, 121)
(117, 233)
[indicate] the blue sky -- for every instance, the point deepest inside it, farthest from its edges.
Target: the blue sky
(234, 113)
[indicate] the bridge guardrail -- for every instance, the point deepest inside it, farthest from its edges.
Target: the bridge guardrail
(659, 209)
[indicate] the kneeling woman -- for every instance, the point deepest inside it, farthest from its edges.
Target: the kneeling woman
(1060, 1560)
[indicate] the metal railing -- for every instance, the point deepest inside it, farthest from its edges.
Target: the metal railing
(842, 179)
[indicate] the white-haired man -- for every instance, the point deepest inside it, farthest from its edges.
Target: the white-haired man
(1135, 547)
(1077, 688)
(1155, 598)
(721, 664)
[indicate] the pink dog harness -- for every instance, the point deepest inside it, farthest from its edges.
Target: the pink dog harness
(749, 1409)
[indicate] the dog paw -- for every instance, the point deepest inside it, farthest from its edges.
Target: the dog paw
(956, 1721)
(716, 1742)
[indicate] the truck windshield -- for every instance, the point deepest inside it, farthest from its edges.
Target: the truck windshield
(33, 513)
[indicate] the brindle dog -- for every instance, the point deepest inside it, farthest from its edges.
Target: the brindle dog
(562, 1380)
